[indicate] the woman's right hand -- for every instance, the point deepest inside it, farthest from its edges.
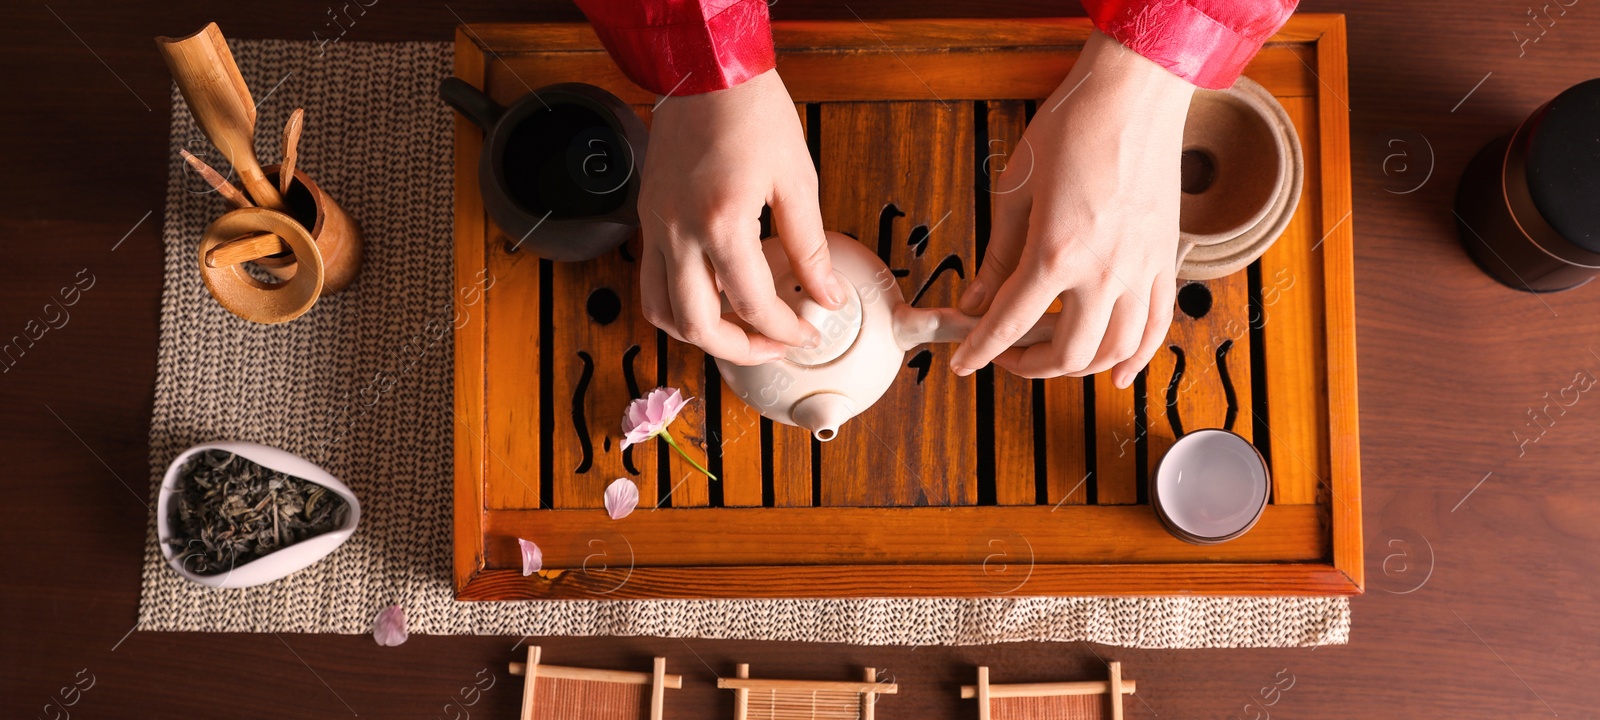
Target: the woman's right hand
(714, 160)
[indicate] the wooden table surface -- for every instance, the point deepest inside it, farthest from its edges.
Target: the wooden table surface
(1481, 540)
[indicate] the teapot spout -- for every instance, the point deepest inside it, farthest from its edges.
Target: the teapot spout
(822, 414)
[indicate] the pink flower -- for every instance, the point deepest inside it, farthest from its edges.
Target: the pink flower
(622, 496)
(389, 628)
(532, 557)
(649, 416)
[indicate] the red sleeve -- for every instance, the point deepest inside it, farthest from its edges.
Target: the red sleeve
(684, 47)
(1207, 42)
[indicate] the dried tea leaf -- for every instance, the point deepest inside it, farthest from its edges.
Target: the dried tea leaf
(231, 511)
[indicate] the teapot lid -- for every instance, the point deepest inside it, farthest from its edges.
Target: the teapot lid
(838, 328)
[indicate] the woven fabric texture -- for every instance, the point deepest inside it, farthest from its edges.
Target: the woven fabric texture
(359, 388)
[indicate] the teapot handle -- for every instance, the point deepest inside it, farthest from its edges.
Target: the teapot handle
(915, 326)
(471, 102)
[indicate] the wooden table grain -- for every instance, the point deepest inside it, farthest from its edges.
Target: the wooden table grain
(1483, 598)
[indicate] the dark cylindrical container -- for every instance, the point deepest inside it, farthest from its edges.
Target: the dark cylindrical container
(1528, 206)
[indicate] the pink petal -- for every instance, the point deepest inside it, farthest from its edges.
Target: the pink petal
(532, 557)
(657, 400)
(389, 628)
(633, 417)
(675, 404)
(639, 435)
(622, 496)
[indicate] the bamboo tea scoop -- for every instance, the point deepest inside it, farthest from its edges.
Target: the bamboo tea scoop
(210, 81)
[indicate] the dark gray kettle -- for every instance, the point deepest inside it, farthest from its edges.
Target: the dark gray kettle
(560, 166)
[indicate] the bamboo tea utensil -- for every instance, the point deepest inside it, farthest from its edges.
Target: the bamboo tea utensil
(337, 236)
(245, 249)
(286, 225)
(217, 182)
(210, 81)
(323, 241)
(291, 144)
(252, 299)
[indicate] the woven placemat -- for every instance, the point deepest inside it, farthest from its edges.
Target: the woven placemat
(356, 387)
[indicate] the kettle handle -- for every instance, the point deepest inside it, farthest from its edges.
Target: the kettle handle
(471, 102)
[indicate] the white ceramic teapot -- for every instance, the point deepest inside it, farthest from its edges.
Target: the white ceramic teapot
(864, 343)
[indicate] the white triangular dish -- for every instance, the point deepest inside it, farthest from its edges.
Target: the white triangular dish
(281, 563)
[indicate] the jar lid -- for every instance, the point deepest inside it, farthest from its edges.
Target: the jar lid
(1564, 164)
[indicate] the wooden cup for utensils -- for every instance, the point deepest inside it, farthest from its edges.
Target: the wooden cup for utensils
(319, 261)
(337, 235)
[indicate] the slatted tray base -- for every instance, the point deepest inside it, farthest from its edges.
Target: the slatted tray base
(948, 486)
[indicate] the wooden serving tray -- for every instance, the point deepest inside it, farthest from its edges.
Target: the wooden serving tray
(948, 486)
